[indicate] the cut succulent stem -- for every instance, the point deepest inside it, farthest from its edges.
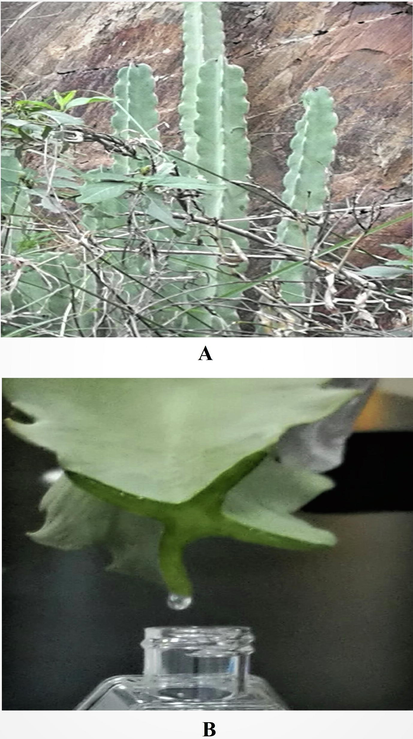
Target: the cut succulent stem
(206, 515)
(153, 464)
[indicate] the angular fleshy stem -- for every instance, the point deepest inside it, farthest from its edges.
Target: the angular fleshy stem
(203, 38)
(135, 109)
(213, 109)
(305, 184)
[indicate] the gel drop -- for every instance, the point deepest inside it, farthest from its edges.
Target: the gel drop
(178, 602)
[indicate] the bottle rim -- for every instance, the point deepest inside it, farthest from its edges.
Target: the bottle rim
(231, 638)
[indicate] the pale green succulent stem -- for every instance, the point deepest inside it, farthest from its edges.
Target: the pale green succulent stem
(203, 38)
(305, 184)
(135, 103)
(213, 108)
(135, 109)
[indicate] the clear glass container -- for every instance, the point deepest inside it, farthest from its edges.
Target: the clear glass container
(189, 668)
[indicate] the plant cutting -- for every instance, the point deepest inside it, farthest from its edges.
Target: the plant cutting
(151, 465)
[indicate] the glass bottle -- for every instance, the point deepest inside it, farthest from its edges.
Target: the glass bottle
(189, 668)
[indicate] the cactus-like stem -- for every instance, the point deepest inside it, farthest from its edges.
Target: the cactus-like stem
(58, 286)
(15, 199)
(312, 151)
(213, 108)
(203, 38)
(135, 110)
(135, 104)
(135, 116)
(223, 146)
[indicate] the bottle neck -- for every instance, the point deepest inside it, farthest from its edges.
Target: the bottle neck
(210, 655)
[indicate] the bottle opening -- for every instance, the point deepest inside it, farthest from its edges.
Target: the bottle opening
(228, 638)
(216, 655)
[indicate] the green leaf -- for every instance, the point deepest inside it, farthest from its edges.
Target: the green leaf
(67, 174)
(257, 509)
(106, 175)
(49, 203)
(176, 182)
(30, 105)
(385, 272)
(59, 99)
(67, 97)
(405, 251)
(96, 193)
(157, 180)
(84, 101)
(33, 130)
(62, 182)
(11, 169)
(60, 117)
(15, 122)
(159, 211)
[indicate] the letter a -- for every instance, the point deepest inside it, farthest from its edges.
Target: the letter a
(205, 355)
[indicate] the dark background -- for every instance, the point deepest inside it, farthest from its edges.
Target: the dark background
(333, 628)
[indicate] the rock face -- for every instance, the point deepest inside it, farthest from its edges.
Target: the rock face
(360, 51)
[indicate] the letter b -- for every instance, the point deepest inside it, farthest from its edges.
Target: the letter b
(209, 728)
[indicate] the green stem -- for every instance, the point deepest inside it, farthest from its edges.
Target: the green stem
(171, 563)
